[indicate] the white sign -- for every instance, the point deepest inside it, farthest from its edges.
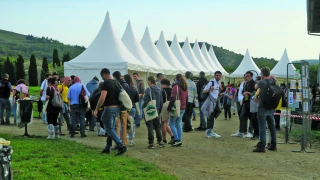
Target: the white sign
(290, 97)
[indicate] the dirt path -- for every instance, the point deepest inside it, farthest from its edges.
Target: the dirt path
(201, 158)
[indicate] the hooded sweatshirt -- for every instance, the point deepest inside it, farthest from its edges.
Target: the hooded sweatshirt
(92, 85)
(156, 95)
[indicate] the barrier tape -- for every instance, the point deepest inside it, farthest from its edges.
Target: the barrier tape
(298, 116)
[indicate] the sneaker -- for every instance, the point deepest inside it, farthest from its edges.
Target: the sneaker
(255, 137)
(257, 145)
(106, 150)
(83, 136)
(213, 135)
(272, 148)
(72, 136)
(151, 146)
(115, 148)
(161, 145)
(122, 150)
(259, 150)
(194, 119)
(268, 145)
(51, 137)
(57, 136)
(165, 142)
(131, 143)
(238, 134)
(249, 135)
(2, 122)
(198, 128)
(177, 143)
(171, 141)
(216, 135)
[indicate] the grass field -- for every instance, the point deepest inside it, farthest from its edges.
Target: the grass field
(38, 158)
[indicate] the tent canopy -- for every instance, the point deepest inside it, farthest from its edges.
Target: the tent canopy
(105, 51)
(212, 58)
(201, 58)
(247, 64)
(280, 70)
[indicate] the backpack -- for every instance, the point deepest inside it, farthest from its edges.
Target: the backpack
(203, 96)
(272, 96)
(94, 98)
(56, 99)
(83, 98)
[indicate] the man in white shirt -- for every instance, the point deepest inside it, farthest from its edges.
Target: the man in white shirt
(213, 90)
(43, 94)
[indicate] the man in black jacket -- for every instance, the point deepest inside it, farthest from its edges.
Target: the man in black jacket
(123, 116)
(202, 82)
(5, 90)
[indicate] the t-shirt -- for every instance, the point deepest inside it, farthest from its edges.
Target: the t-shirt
(249, 87)
(44, 86)
(215, 92)
(263, 90)
(113, 90)
(64, 92)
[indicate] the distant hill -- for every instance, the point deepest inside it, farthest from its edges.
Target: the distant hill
(310, 61)
(12, 44)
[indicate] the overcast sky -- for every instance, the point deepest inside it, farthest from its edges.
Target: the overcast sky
(266, 28)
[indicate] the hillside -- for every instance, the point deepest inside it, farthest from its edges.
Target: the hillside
(12, 44)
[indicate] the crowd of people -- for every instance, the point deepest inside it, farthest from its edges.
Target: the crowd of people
(108, 117)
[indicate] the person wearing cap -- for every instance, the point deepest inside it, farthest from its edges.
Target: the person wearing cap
(43, 96)
(92, 86)
(160, 76)
(5, 91)
(192, 95)
(77, 112)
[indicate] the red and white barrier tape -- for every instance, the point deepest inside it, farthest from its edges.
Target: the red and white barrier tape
(298, 116)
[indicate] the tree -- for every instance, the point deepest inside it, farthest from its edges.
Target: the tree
(45, 68)
(66, 58)
(56, 60)
(20, 68)
(9, 69)
(33, 74)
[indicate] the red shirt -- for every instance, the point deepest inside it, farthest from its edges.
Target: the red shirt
(183, 96)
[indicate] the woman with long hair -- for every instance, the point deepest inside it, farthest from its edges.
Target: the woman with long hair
(134, 96)
(180, 90)
(153, 124)
(21, 85)
(52, 112)
(166, 93)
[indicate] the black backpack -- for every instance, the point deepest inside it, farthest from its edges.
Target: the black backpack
(83, 101)
(94, 98)
(272, 96)
(203, 96)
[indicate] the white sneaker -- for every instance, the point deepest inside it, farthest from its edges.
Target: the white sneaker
(102, 132)
(238, 134)
(249, 135)
(57, 136)
(131, 143)
(216, 135)
(211, 134)
(51, 137)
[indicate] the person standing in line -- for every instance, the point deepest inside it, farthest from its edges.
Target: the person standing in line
(160, 76)
(110, 99)
(192, 94)
(134, 96)
(239, 95)
(91, 86)
(43, 88)
(227, 97)
(153, 124)
(209, 106)
(233, 91)
(52, 112)
(200, 84)
(77, 110)
(21, 84)
(140, 86)
(265, 115)
(180, 89)
(5, 91)
(64, 89)
(254, 111)
(166, 93)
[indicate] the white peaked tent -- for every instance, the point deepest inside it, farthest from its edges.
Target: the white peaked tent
(192, 58)
(105, 51)
(164, 49)
(201, 58)
(135, 48)
(177, 51)
(246, 64)
(151, 49)
(211, 57)
(280, 70)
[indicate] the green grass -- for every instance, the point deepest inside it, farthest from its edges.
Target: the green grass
(38, 158)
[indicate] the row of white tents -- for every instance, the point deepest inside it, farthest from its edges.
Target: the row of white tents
(128, 55)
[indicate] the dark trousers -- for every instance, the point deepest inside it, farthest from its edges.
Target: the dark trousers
(277, 119)
(255, 123)
(244, 115)
(210, 121)
(154, 125)
(52, 118)
(186, 119)
(77, 115)
(227, 110)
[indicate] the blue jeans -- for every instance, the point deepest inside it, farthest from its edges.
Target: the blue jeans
(78, 113)
(108, 119)
(136, 117)
(132, 113)
(203, 122)
(44, 114)
(266, 116)
(175, 125)
(5, 103)
(194, 114)
(14, 111)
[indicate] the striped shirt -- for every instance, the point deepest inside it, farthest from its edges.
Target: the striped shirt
(192, 91)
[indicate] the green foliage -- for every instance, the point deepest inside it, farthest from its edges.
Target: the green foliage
(9, 69)
(313, 72)
(56, 60)
(39, 158)
(45, 68)
(20, 68)
(13, 44)
(33, 74)
(66, 58)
